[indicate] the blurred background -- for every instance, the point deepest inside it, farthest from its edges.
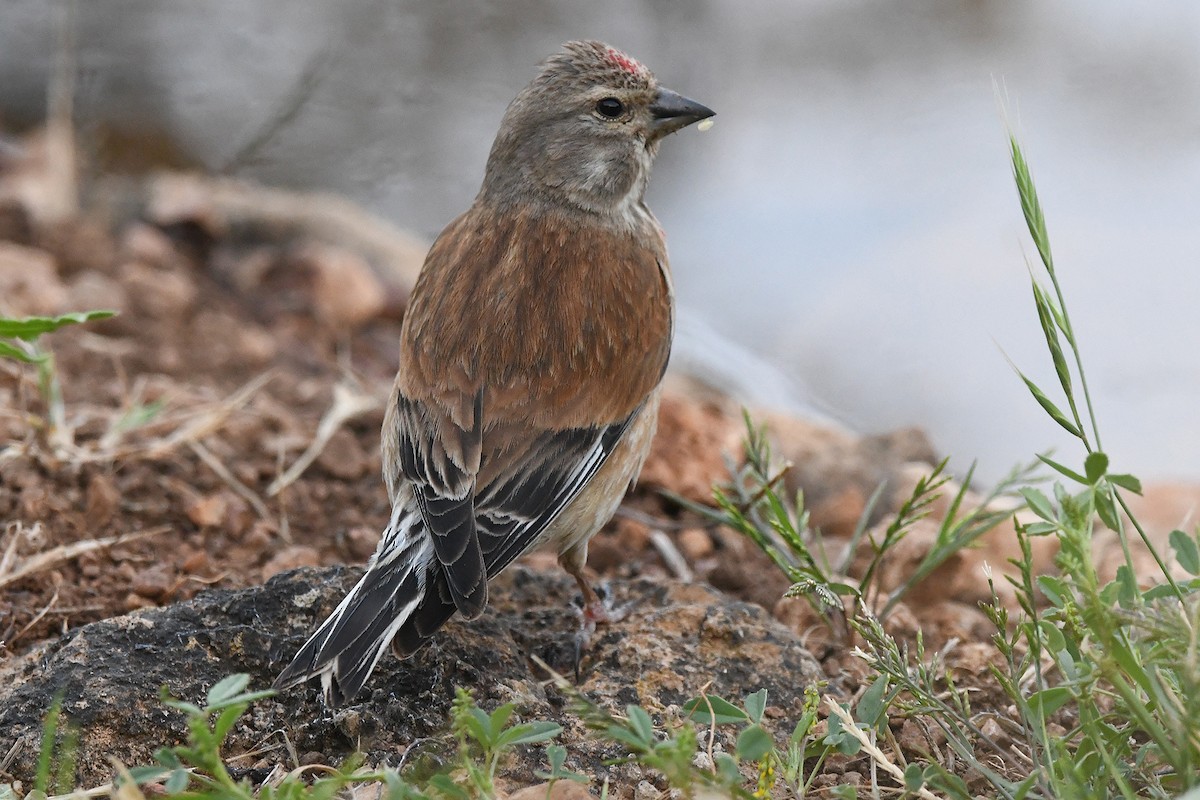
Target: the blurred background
(846, 240)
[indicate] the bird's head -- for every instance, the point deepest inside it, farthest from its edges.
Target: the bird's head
(584, 132)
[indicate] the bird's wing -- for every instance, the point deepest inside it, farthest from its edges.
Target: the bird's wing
(440, 459)
(533, 487)
(478, 532)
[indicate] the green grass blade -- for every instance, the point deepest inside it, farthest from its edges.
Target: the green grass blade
(17, 354)
(1050, 331)
(1062, 470)
(41, 782)
(30, 328)
(1048, 406)
(1035, 220)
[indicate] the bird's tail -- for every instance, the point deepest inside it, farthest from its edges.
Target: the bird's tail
(345, 649)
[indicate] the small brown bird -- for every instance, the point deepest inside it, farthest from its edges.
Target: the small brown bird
(531, 355)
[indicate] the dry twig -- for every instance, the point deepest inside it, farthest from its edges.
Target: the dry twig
(671, 556)
(36, 617)
(66, 552)
(208, 421)
(348, 403)
(244, 491)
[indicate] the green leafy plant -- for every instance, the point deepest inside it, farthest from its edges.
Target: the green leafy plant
(795, 766)
(1104, 674)
(56, 758)
(1120, 661)
(671, 755)
(556, 754)
(19, 340)
(751, 504)
(198, 769)
(19, 336)
(200, 759)
(492, 737)
(753, 766)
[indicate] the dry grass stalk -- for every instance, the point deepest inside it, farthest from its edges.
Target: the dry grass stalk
(877, 756)
(209, 420)
(671, 556)
(348, 403)
(222, 472)
(65, 552)
(36, 618)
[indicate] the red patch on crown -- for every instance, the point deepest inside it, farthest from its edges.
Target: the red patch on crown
(624, 62)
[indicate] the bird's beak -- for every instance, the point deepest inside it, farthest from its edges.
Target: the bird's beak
(673, 111)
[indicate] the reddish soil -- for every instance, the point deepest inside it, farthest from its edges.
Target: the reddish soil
(245, 318)
(230, 375)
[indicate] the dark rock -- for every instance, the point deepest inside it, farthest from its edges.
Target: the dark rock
(676, 639)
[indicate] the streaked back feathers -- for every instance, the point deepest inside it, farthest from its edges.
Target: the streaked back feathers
(533, 310)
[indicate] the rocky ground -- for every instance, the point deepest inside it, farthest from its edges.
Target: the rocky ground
(222, 431)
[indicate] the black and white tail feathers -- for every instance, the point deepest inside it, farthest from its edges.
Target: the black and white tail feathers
(399, 596)
(407, 594)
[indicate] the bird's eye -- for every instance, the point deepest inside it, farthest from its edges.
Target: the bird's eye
(610, 107)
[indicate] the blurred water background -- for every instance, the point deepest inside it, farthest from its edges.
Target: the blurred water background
(846, 240)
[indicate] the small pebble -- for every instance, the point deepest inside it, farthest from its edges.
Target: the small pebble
(645, 790)
(153, 584)
(133, 602)
(238, 516)
(345, 290)
(207, 512)
(991, 729)
(260, 537)
(343, 457)
(195, 562)
(149, 244)
(633, 535)
(158, 293)
(361, 541)
(297, 555)
(255, 346)
(695, 544)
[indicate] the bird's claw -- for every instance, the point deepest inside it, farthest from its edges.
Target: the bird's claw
(600, 611)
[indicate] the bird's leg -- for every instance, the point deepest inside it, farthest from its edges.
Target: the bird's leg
(596, 610)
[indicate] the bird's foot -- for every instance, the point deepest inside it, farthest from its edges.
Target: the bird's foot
(600, 610)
